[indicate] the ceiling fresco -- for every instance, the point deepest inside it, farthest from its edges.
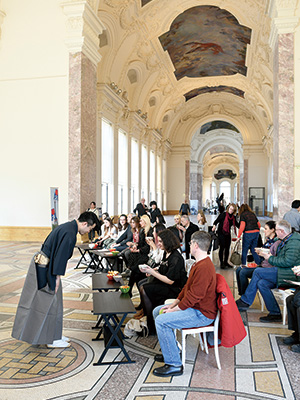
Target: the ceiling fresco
(206, 41)
(209, 89)
(210, 126)
(225, 173)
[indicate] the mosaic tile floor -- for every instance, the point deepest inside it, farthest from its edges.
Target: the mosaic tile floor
(260, 367)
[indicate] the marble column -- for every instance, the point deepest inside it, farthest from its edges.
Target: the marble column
(200, 189)
(83, 28)
(82, 133)
(283, 135)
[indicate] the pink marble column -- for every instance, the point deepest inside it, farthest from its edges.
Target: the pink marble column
(82, 133)
(283, 139)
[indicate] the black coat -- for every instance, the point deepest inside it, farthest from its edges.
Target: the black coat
(188, 234)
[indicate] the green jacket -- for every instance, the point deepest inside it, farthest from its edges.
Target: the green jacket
(286, 258)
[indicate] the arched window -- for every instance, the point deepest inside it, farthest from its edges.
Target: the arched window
(225, 188)
(107, 166)
(123, 173)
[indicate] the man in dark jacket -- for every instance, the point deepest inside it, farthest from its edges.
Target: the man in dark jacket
(293, 307)
(265, 279)
(188, 228)
(141, 208)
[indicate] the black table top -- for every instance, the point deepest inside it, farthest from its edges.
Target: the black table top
(112, 303)
(83, 246)
(105, 253)
(100, 281)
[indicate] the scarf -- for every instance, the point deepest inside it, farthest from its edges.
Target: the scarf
(226, 224)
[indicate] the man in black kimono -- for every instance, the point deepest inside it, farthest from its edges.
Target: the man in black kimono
(39, 315)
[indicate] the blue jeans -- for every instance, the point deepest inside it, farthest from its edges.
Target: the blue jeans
(242, 276)
(250, 242)
(165, 325)
(263, 279)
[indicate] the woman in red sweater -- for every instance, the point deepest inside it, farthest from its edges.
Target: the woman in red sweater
(250, 228)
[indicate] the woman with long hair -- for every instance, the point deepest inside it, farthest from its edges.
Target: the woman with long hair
(243, 274)
(167, 281)
(146, 225)
(122, 224)
(109, 233)
(154, 257)
(249, 228)
(202, 223)
(138, 249)
(225, 221)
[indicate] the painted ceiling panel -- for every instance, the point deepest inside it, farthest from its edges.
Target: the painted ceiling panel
(210, 126)
(209, 89)
(206, 41)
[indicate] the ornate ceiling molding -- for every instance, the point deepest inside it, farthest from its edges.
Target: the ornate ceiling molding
(83, 28)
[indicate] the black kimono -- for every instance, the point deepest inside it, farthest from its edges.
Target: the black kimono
(40, 312)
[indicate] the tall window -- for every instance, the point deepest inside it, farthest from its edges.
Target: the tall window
(158, 179)
(107, 169)
(213, 191)
(134, 173)
(225, 188)
(144, 180)
(122, 173)
(235, 196)
(152, 176)
(164, 184)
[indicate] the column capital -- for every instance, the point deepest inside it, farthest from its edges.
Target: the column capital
(282, 13)
(83, 28)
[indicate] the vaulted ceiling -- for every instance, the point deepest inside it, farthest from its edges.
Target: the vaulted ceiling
(183, 63)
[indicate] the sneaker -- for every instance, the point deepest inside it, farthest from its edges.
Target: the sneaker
(295, 348)
(58, 344)
(271, 318)
(293, 339)
(65, 339)
(241, 305)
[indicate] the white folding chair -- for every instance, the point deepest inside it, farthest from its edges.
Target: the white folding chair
(203, 329)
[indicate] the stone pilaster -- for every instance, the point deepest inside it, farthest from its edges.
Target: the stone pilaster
(282, 39)
(82, 40)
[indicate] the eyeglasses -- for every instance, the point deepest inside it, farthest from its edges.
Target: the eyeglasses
(191, 242)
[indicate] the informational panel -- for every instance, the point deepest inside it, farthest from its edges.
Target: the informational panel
(257, 200)
(194, 207)
(54, 207)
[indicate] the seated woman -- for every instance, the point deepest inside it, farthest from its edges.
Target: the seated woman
(138, 248)
(176, 229)
(245, 273)
(126, 236)
(154, 257)
(168, 280)
(202, 223)
(109, 233)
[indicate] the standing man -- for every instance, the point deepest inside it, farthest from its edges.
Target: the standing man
(39, 317)
(141, 208)
(195, 306)
(184, 208)
(293, 216)
(188, 228)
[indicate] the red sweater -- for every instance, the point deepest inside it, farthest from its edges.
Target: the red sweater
(200, 290)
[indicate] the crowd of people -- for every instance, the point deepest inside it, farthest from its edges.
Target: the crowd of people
(154, 259)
